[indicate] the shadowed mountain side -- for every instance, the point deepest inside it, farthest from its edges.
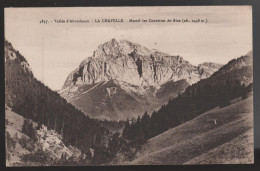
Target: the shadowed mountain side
(106, 100)
(171, 90)
(118, 101)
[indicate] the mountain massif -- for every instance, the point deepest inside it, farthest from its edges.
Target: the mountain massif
(123, 79)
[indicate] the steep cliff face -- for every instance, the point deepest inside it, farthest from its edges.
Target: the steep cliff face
(136, 70)
(206, 69)
(132, 63)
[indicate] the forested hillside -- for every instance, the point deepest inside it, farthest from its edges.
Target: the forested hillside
(32, 99)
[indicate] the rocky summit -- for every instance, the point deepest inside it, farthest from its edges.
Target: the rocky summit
(141, 78)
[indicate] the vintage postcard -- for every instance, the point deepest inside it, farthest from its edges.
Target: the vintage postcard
(128, 86)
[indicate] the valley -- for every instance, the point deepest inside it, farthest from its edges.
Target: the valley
(154, 109)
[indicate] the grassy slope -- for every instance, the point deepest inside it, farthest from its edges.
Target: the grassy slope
(238, 150)
(201, 136)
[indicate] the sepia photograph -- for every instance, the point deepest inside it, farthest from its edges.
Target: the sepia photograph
(101, 86)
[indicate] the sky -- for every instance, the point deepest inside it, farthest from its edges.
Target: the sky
(53, 50)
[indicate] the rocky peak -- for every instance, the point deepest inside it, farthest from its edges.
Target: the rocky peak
(210, 64)
(206, 69)
(132, 63)
(115, 48)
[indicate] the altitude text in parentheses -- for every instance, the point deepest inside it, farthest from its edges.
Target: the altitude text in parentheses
(185, 20)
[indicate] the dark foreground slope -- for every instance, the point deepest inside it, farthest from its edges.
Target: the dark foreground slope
(203, 141)
(27, 96)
